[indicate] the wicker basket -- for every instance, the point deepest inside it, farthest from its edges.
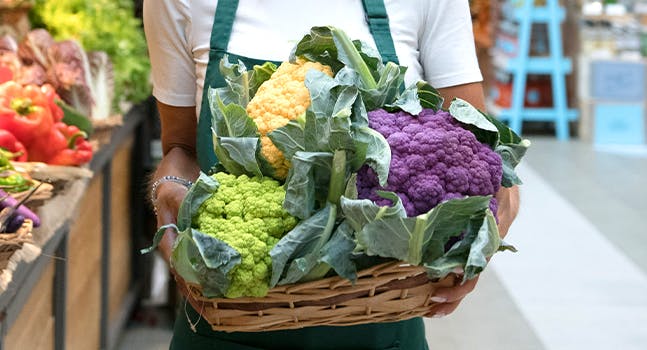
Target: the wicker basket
(11, 242)
(103, 129)
(384, 293)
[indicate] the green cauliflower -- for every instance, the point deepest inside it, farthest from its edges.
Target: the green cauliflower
(246, 213)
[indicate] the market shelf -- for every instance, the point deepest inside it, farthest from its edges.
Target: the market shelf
(541, 14)
(54, 248)
(534, 65)
(530, 114)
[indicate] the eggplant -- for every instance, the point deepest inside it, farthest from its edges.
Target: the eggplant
(22, 210)
(14, 223)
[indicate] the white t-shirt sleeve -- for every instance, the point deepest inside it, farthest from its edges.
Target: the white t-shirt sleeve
(167, 24)
(447, 49)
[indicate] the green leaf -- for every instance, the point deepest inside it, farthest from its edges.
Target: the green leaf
(298, 243)
(449, 219)
(318, 46)
(202, 189)
(73, 117)
(360, 212)
(378, 152)
(236, 77)
(485, 131)
(307, 182)
(469, 255)
(511, 155)
(454, 260)
(235, 137)
(506, 135)
(407, 101)
(351, 188)
(487, 243)
(388, 87)
(225, 160)
(216, 253)
(348, 53)
(243, 151)
(507, 247)
(429, 97)
(259, 75)
(421, 238)
(338, 252)
(289, 139)
(158, 238)
(328, 120)
(217, 260)
(184, 250)
(230, 120)
(242, 83)
(306, 266)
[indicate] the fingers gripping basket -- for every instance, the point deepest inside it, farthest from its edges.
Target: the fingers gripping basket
(383, 293)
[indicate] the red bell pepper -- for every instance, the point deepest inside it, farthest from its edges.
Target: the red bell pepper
(9, 142)
(52, 97)
(24, 111)
(6, 74)
(63, 145)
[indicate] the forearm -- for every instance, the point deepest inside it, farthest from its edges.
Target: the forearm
(178, 137)
(472, 93)
(508, 207)
(179, 160)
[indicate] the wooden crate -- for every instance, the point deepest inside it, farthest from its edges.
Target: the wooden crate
(120, 231)
(34, 327)
(84, 272)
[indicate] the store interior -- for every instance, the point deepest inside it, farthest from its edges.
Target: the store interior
(570, 76)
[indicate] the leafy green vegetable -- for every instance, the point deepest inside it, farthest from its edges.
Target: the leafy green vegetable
(338, 253)
(470, 254)
(325, 145)
(307, 183)
(103, 25)
(467, 114)
(296, 248)
(388, 232)
(429, 97)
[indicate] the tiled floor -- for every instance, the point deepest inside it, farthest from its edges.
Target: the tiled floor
(579, 280)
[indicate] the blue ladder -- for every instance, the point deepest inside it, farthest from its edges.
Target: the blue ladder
(555, 65)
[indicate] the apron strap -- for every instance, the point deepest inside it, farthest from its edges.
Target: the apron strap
(223, 23)
(378, 23)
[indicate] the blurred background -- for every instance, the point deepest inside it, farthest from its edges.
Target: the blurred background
(568, 75)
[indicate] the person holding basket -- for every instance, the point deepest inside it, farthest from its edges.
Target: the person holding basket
(187, 40)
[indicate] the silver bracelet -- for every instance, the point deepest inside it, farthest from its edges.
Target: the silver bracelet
(163, 179)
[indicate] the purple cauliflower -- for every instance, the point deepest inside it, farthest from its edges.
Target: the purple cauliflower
(434, 159)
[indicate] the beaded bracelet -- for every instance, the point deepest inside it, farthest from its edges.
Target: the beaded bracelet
(163, 179)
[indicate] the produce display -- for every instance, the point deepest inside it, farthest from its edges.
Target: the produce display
(82, 80)
(12, 212)
(102, 26)
(329, 165)
(15, 219)
(31, 125)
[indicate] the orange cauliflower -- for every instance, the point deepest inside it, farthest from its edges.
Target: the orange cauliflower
(282, 98)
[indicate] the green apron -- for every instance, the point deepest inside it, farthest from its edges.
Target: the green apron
(407, 335)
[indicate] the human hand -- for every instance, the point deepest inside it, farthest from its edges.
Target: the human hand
(169, 196)
(448, 297)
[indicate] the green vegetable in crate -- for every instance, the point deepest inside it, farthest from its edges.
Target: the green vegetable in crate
(247, 214)
(93, 24)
